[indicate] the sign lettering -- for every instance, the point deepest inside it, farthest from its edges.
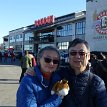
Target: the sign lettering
(45, 20)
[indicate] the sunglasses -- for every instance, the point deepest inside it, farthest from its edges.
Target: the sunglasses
(48, 60)
(75, 53)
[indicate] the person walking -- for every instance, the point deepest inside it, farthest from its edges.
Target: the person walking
(0, 56)
(5, 56)
(12, 55)
(26, 62)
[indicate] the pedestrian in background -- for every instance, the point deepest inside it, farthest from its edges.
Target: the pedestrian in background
(5, 56)
(12, 55)
(26, 62)
(0, 56)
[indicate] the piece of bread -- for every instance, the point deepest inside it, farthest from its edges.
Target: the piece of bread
(61, 88)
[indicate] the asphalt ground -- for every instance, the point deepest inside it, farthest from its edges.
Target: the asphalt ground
(9, 82)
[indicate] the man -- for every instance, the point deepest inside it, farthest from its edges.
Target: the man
(86, 89)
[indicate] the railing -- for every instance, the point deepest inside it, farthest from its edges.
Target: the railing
(42, 39)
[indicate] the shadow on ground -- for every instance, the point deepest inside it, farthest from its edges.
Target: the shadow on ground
(9, 81)
(7, 106)
(8, 62)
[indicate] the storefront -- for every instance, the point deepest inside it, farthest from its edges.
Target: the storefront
(59, 31)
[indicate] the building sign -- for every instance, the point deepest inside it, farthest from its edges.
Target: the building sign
(101, 24)
(44, 21)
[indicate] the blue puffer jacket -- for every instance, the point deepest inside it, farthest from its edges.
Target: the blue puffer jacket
(86, 89)
(34, 91)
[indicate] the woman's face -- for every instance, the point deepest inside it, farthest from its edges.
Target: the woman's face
(49, 61)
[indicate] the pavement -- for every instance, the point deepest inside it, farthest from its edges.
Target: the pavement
(9, 82)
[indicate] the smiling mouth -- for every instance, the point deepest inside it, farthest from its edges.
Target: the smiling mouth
(77, 61)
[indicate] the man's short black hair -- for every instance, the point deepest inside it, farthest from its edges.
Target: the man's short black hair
(78, 41)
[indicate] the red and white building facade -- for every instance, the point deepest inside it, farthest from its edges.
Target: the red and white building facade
(96, 24)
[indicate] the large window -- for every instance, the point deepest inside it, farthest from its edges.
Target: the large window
(16, 38)
(65, 31)
(28, 47)
(46, 37)
(63, 45)
(27, 36)
(12, 39)
(19, 37)
(80, 28)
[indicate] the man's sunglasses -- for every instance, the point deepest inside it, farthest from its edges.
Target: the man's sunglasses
(48, 60)
(75, 53)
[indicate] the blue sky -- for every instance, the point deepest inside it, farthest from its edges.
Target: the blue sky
(20, 13)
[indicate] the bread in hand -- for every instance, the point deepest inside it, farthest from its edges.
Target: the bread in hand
(61, 88)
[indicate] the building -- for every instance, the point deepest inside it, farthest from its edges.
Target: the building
(59, 32)
(90, 25)
(96, 24)
(19, 39)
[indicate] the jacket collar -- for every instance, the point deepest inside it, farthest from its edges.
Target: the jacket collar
(71, 71)
(40, 77)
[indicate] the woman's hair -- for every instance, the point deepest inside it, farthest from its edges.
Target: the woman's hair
(50, 48)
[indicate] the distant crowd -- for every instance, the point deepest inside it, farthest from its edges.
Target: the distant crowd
(7, 55)
(99, 66)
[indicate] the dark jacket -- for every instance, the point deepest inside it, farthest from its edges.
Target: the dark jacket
(26, 61)
(35, 91)
(86, 89)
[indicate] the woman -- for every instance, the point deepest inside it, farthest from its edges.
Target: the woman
(35, 91)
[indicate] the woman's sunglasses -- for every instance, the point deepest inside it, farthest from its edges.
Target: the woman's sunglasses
(48, 60)
(75, 53)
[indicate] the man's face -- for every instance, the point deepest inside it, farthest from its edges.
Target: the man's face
(79, 57)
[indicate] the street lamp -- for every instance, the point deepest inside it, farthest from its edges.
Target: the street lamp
(23, 37)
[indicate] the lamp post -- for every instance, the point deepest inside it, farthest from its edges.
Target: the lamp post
(23, 37)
